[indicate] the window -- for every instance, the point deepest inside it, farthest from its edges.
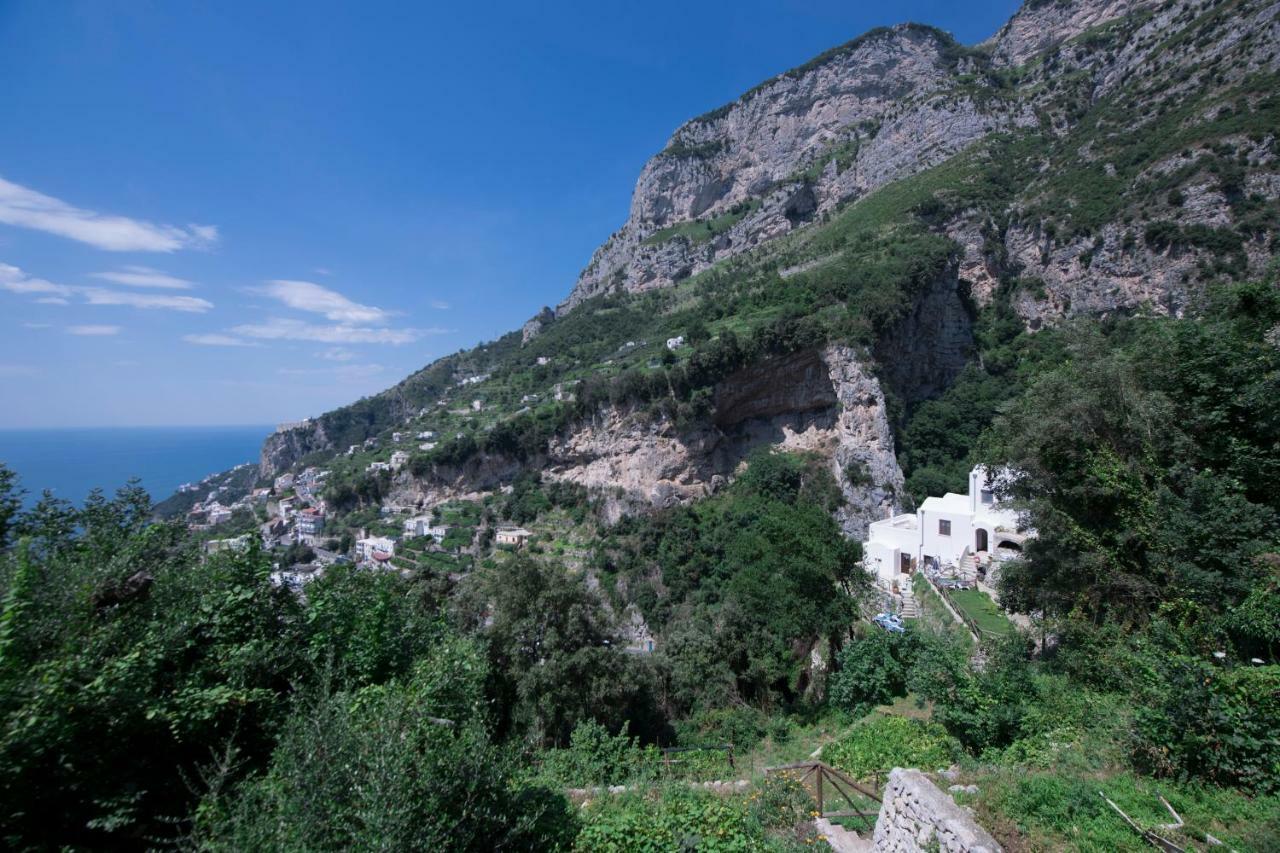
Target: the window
(987, 497)
(944, 527)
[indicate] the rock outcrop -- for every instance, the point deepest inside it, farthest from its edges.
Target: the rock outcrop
(282, 449)
(875, 110)
(824, 402)
(1042, 24)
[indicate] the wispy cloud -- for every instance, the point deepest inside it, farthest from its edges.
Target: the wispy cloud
(311, 297)
(344, 373)
(279, 329)
(440, 304)
(102, 296)
(143, 277)
(27, 208)
(218, 340)
(93, 331)
(337, 354)
(36, 325)
(15, 280)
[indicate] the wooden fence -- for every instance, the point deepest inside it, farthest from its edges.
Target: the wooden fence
(827, 783)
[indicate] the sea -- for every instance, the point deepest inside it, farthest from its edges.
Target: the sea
(71, 462)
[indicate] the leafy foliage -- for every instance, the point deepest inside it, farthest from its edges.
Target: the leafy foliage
(883, 742)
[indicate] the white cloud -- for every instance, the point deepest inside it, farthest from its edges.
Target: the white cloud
(216, 340)
(93, 331)
(279, 329)
(16, 281)
(309, 296)
(440, 304)
(143, 277)
(102, 296)
(337, 354)
(27, 208)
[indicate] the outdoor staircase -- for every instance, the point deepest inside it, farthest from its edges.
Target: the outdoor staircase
(969, 567)
(843, 840)
(910, 609)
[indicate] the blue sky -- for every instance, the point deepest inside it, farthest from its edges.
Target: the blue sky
(244, 212)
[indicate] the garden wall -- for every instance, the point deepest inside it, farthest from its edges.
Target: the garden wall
(916, 815)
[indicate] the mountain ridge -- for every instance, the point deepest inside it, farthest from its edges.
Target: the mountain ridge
(1031, 194)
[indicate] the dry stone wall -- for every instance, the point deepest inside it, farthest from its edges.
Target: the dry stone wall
(916, 815)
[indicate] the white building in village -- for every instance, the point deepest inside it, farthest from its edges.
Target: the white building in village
(514, 536)
(942, 531)
(375, 549)
(420, 525)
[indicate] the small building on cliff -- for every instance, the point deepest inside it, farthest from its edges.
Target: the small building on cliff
(942, 532)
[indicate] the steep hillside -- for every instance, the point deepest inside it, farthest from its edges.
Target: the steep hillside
(841, 241)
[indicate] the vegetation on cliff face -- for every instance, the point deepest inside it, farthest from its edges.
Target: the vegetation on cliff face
(151, 694)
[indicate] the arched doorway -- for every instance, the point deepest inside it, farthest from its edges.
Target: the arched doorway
(980, 540)
(1009, 544)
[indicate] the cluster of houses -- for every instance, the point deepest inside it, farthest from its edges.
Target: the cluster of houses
(211, 512)
(398, 460)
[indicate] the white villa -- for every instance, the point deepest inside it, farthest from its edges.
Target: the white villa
(399, 459)
(375, 548)
(942, 531)
(515, 536)
(421, 525)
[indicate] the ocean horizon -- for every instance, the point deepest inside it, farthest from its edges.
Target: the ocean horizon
(72, 461)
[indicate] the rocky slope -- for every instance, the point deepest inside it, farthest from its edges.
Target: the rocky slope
(1092, 157)
(882, 107)
(898, 101)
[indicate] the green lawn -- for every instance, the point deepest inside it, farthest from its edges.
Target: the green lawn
(979, 607)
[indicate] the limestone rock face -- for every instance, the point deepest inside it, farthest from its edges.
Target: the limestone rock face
(282, 449)
(875, 110)
(1042, 24)
(825, 402)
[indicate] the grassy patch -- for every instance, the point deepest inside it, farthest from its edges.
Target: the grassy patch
(1066, 812)
(934, 613)
(979, 607)
(702, 230)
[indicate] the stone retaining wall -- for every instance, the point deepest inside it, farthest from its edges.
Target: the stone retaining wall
(915, 815)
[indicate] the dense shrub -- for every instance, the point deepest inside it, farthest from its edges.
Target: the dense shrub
(872, 670)
(883, 742)
(1220, 725)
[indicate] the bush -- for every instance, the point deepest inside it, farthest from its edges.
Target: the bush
(885, 742)
(594, 757)
(872, 671)
(1219, 725)
(681, 818)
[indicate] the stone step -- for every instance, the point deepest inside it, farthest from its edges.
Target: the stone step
(842, 840)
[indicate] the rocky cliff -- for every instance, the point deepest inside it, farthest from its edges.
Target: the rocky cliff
(898, 101)
(1093, 156)
(874, 110)
(884, 106)
(823, 402)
